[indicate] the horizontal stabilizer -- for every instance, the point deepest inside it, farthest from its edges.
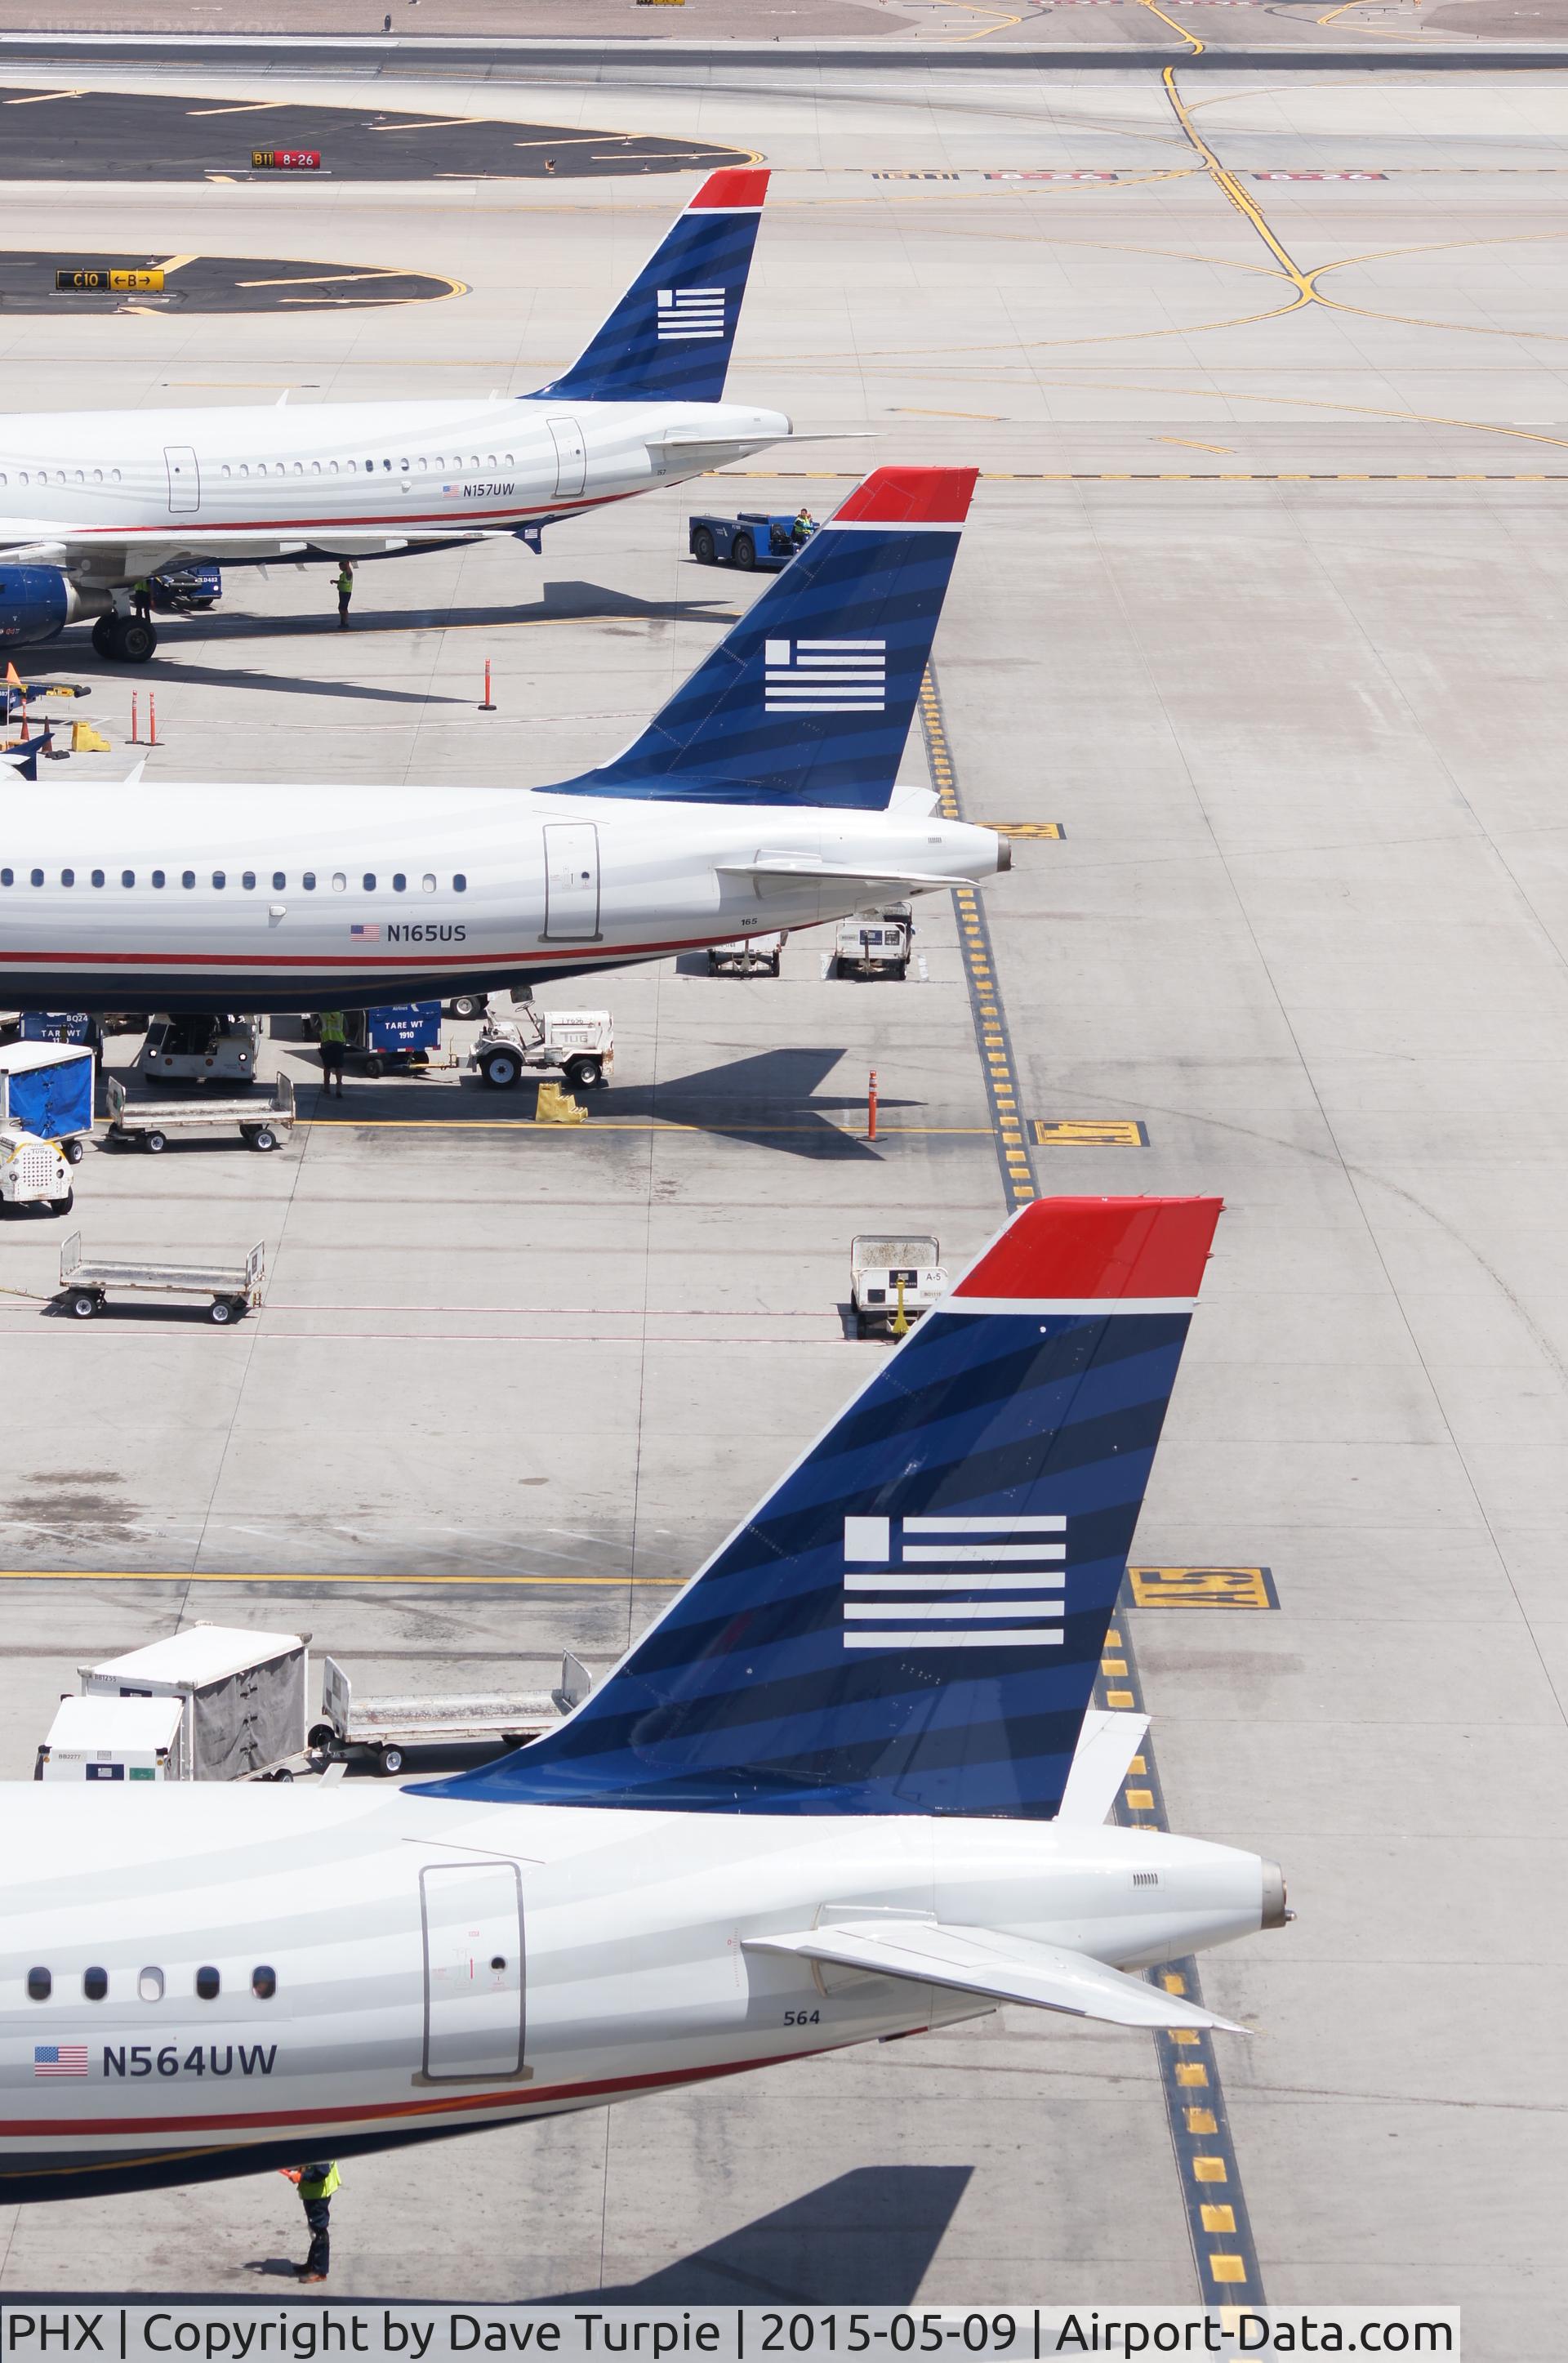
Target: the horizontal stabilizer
(1007, 1969)
(1107, 1745)
(788, 865)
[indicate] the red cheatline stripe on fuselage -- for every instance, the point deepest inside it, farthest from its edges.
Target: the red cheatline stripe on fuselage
(386, 2111)
(467, 956)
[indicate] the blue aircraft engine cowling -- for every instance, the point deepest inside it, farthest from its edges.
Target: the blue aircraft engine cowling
(36, 604)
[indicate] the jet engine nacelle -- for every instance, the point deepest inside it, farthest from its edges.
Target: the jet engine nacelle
(38, 602)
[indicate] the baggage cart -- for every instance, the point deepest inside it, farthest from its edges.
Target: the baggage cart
(85, 1281)
(893, 1280)
(748, 955)
(241, 1695)
(149, 1124)
(384, 1729)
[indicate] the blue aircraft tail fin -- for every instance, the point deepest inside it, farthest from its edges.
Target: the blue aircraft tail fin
(808, 699)
(669, 337)
(911, 1622)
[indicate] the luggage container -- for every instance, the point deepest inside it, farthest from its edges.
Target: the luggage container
(46, 1089)
(104, 1738)
(242, 1695)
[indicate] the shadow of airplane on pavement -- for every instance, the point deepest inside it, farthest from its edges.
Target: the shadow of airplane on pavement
(867, 2238)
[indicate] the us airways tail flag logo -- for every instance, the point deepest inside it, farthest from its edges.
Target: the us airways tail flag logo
(954, 1583)
(690, 315)
(825, 676)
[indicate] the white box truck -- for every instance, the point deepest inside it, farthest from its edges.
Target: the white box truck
(113, 1739)
(243, 1694)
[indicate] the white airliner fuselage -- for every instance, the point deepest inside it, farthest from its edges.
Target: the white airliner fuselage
(292, 1973)
(111, 495)
(264, 897)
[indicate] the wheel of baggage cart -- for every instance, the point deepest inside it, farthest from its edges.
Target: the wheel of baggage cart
(224, 1309)
(83, 1303)
(466, 1004)
(58, 1206)
(703, 546)
(155, 1142)
(72, 1151)
(390, 1760)
(375, 1065)
(259, 1135)
(501, 1068)
(319, 1738)
(584, 1074)
(744, 553)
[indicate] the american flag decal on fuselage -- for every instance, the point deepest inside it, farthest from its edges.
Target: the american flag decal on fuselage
(825, 676)
(690, 315)
(60, 2059)
(954, 1583)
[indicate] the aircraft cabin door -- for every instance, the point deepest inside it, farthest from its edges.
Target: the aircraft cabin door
(184, 478)
(572, 459)
(571, 880)
(472, 1914)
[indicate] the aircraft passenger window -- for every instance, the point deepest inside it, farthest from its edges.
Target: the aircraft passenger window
(68, 877)
(248, 879)
(245, 467)
(157, 877)
(219, 880)
(460, 884)
(95, 1985)
(299, 469)
(80, 477)
(370, 882)
(227, 469)
(207, 1984)
(489, 459)
(37, 876)
(98, 877)
(39, 1984)
(399, 881)
(23, 477)
(340, 881)
(308, 881)
(149, 1985)
(263, 1982)
(510, 461)
(316, 467)
(97, 475)
(114, 475)
(127, 878)
(427, 882)
(422, 462)
(187, 876)
(403, 465)
(279, 882)
(369, 467)
(7, 877)
(386, 463)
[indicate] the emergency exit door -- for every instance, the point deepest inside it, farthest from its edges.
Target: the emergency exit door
(571, 881)
(572, 459)
(472, 1914)
(184, 478)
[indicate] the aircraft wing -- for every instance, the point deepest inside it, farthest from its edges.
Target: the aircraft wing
(1006, 1969)
(790, 865)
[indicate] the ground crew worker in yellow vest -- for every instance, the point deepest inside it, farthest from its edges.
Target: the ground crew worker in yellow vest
(345, 592)
(333, 1036)
(805, 525)
(317, 2185)
(141, 600)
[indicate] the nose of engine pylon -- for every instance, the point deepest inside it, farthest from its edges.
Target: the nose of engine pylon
(1276, 1910)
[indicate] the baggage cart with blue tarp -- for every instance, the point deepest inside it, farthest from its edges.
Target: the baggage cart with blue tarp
(46, 1089)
